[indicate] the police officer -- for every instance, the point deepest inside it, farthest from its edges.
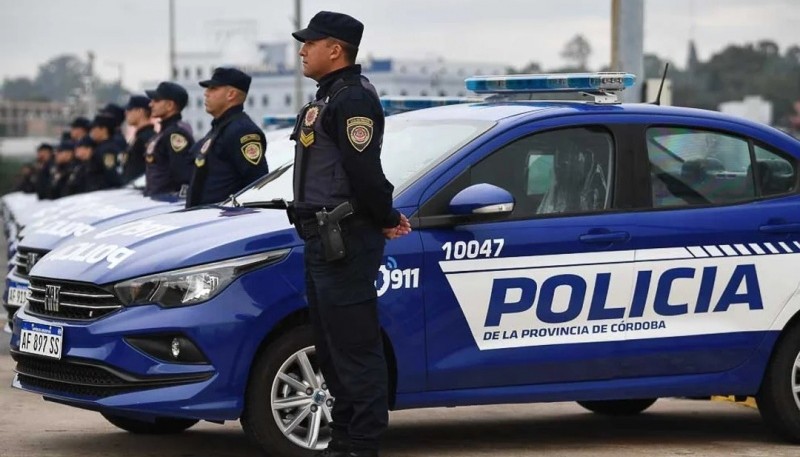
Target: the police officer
(79, 128)
(117, 115)
(168, 162)
(231, 155)
(44, 169)
(77, 180)
(337, 162)
(137, 115)
(101, 171)
(64, 163)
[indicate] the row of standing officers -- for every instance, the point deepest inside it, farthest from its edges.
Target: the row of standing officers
(95, 155)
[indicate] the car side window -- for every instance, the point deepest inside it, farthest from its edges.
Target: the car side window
(776, 175)
(698, 167)
(560, 171)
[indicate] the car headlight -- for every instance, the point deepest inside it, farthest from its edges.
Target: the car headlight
(191, 285)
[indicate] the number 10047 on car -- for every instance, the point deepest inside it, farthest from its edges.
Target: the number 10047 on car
(40, 339)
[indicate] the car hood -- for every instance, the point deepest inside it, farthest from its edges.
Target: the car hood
(167, 242)
(103, 202)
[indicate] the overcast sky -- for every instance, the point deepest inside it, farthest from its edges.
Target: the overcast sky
(134, 33)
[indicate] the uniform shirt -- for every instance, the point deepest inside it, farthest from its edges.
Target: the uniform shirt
(58, 181)
(372, 192)
(168, 163)
(76, 181)
(42, 180)
(101, 171)
(227, 159)
(132, 160)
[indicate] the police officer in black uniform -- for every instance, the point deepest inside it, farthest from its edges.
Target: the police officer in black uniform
(337, 163)
(101, 171)
(231, 155)
(168, 162)
(79, 128)
(77, 180)
(64, 163)
(117, 114)
(44, 169)
(137, 115)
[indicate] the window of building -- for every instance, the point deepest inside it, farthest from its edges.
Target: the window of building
(383, 93)
(186, 73)
(199, 126)
(403, 93)
(199, 72)
(443, 93)
(174, 73)
(251, 102)
(287, 100)
(265, 101)
(423, 93)
(199, 102)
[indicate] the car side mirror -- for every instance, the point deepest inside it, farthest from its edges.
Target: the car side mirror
(482, 199)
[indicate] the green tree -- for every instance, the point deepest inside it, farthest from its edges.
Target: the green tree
(577, 51)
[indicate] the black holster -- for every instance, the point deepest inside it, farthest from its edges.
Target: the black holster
(330, 231)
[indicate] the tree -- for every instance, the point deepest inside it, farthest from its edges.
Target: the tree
(577, 52)
(60, 76)
(21, 89)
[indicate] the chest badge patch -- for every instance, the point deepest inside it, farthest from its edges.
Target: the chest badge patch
(109, 160)
(178, 142)
(252, 152)
(206, 145)
(311, 116)
(199, 162)
(149, 158)
(359, 132)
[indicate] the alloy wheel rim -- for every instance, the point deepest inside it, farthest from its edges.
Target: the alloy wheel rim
(796, 381)
(300, 402)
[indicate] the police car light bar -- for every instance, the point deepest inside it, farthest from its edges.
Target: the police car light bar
(601, 84)
(404, 103)
(280, 120)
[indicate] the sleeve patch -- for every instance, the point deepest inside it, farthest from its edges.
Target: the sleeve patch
(252, 152)
(178, 142)
(359, 132)
(250, 137)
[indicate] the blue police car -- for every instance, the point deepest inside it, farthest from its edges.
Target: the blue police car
(597, 252)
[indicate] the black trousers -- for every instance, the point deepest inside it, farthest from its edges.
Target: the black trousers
(344, 315)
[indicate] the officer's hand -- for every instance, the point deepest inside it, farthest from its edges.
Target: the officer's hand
(402, 229)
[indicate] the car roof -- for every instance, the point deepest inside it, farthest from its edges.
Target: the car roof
(504, 110)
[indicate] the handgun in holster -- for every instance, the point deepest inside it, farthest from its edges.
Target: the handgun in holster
(330, 231)
(291, 214)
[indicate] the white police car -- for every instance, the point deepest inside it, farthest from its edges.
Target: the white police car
(596, 252)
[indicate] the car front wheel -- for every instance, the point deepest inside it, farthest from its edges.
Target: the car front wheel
(618, 407)
(287, 406)
(779, 397)
(160, 426)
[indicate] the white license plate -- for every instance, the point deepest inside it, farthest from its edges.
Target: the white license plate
(18, 296)
(41, 339)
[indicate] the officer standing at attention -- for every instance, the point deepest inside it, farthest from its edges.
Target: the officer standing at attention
(101, 172)
(168, 163)
(338, 169)
(79, 128)
(231, 155)
(137, 115)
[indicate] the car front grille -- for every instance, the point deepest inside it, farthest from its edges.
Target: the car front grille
(25, 259)
(69, 300)
(77, 377)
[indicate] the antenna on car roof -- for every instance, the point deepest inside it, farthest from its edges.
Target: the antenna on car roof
(660, 87)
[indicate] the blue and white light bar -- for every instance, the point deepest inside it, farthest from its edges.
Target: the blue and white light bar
(564, 82)
(393, 104)
(279, 120)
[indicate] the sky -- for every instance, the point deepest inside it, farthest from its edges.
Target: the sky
(130, 38)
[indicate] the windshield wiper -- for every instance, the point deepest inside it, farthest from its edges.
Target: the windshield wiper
(275, 203)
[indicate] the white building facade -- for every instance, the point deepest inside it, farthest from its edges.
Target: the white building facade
(273, 86)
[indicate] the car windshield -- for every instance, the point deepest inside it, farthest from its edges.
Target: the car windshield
(410, 148)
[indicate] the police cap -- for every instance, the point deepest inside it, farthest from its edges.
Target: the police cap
(169, 91)
(104, 121)
(226, 76)
(45, 146)
(65, 145)
(335, 25)
(115, 112)
(85, 142)
(138, 101)
(81, 123)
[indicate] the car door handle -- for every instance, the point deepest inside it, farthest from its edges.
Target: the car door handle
(780, 228)
(608, 237)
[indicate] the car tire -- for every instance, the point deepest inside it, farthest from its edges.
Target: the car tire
(618, 407)
(778, 399)
(161, 425)
(278, 374)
